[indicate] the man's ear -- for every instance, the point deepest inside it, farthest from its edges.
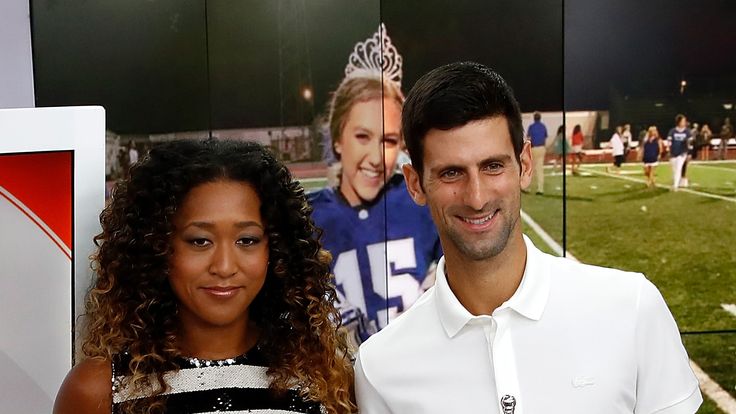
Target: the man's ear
(414, 184)
(526, 164)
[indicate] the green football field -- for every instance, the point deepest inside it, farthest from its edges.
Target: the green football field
(684, 242)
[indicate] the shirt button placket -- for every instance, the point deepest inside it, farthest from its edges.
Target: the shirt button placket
(504, 365)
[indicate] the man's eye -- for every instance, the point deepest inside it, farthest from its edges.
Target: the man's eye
(450, 174)
(494, 167)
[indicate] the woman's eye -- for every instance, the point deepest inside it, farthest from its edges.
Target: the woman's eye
(199, 242)
(248, 241)
(390, 142)
(362, 137)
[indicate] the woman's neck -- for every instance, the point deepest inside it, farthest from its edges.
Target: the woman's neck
(217, 342)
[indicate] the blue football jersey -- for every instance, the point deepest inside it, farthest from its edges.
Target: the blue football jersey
(678, 141)
(381, 252)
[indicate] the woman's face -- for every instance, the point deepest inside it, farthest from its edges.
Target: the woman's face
(220, 254)
(368, 148)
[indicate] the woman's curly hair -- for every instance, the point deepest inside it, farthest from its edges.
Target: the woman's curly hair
(131, 307)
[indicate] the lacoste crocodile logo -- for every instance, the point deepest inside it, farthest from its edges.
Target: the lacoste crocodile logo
(582, 381)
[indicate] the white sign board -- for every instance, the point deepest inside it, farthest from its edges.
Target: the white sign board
(52, 186)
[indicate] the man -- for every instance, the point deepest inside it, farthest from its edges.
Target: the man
(507, 328)
(678, 138)
(537, 133)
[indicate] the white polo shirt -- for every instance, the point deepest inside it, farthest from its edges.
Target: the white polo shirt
(573, 338)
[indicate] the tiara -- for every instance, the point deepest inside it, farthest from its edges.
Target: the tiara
(375, 56)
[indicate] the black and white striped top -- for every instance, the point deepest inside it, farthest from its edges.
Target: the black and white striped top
(235, 385)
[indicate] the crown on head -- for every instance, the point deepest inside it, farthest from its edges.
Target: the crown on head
(375, 56)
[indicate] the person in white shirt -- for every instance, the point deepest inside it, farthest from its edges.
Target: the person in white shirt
(506, 328)
(132, 154)
(617, 146)
(627, 137)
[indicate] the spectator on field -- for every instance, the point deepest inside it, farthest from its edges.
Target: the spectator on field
(132, 153)
(576, 156)
(706, 134)
(642, 134)
(537, 134)
(617, 145)
(698, 143)
(726, 134)
(560, 147)
(678, 138)
(627, 137)
(650, 150)
(692, 153)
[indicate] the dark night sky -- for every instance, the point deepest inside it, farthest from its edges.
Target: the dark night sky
(147, 61)
(652, 44)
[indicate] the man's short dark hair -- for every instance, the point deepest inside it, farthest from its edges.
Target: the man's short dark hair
(453, 95)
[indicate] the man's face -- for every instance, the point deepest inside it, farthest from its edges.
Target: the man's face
(472, 183)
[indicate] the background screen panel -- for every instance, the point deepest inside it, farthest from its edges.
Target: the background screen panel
(659, 63)
(36, 282)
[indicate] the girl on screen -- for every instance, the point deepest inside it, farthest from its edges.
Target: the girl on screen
(383, 245)
(211, 293)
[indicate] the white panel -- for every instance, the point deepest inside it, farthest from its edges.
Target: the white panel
(35, 306)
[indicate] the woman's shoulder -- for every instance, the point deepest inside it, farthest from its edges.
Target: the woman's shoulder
(87, 388)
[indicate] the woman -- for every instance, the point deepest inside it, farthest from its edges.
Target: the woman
(651, 151)
(211, 292)
(383, 245)
(576, 156)
(560, 147)
(617, 146)
(706, 134)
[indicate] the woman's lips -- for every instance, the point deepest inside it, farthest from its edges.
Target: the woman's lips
(222, 291)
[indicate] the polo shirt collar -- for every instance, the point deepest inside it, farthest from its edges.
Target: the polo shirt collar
(529, 300)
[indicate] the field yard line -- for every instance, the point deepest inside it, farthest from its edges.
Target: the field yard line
(715, 392)
(713, 167)
(684, 190)
(723, 399)
(729, 307)
(545, 236)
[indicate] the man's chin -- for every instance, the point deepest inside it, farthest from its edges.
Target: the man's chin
(477, 250)
(480, 254)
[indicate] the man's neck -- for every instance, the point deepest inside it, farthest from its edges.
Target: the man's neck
(483, 286)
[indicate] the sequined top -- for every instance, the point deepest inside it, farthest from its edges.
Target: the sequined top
(206, 386)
